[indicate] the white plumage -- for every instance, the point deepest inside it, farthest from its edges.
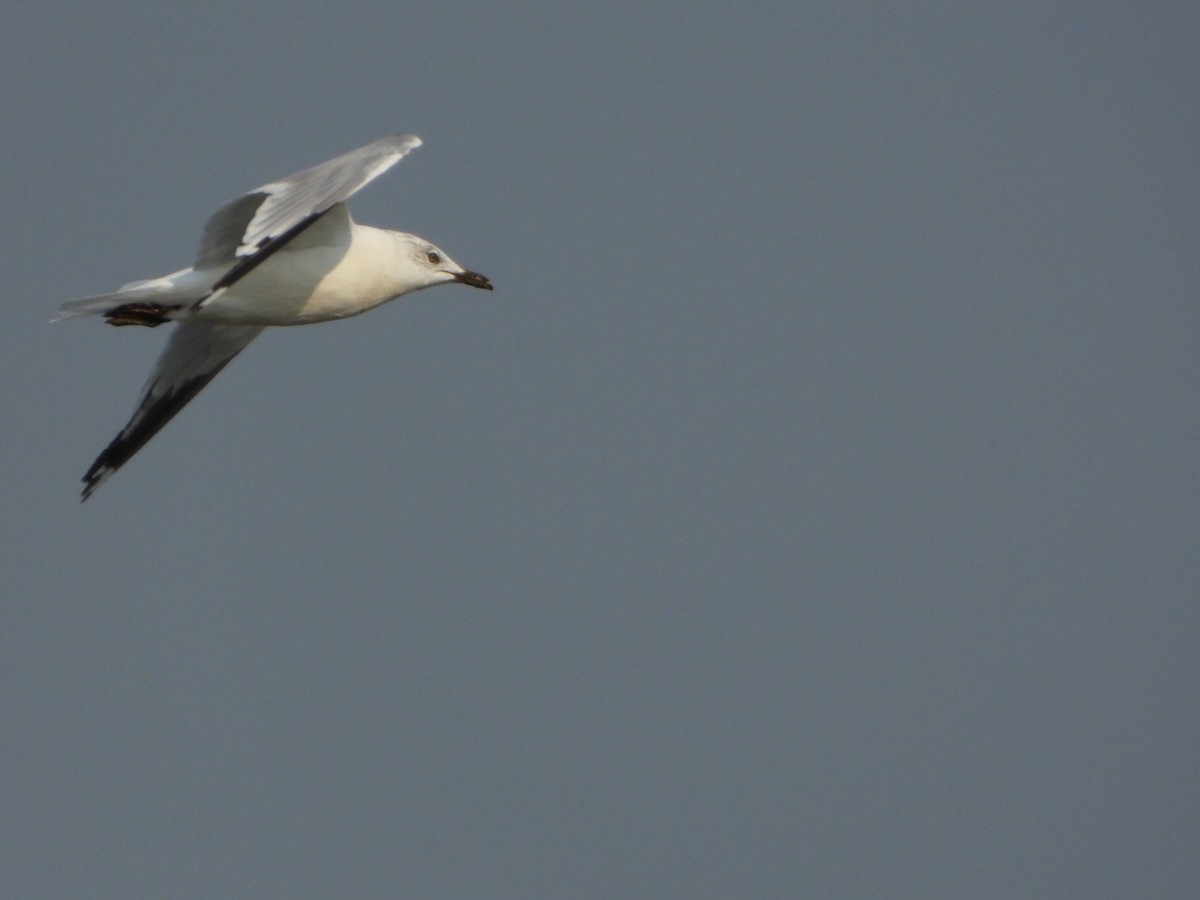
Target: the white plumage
(286, 253)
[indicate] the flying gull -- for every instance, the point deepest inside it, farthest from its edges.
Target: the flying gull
(286, 253)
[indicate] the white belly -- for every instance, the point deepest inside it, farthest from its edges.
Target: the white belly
(303, 283)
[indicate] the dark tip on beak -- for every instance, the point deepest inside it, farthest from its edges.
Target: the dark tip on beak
(474, 279)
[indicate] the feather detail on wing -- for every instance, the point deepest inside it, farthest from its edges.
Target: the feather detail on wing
(250, 224)
(194, 355)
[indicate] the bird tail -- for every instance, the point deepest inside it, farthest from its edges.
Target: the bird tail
(149, 302)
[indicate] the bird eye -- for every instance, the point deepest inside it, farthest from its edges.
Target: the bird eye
(433, 257)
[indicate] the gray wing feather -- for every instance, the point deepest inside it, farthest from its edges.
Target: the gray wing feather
(248, 224)
(224, 229)
(194, 355)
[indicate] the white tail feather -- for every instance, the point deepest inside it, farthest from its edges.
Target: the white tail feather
(166, 290)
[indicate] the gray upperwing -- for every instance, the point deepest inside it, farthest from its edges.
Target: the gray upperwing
(251, 224)
(224, 229)
(194, 355)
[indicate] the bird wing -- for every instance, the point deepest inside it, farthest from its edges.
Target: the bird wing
(196, 352)
(248, 229)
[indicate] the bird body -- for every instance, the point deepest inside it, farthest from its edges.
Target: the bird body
(325, 273)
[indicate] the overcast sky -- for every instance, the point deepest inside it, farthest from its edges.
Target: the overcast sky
(811, 511)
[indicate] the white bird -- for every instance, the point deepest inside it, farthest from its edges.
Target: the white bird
(286, 253)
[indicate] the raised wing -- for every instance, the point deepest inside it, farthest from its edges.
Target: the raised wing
(196, 352)
(246, 225)
(248, 229)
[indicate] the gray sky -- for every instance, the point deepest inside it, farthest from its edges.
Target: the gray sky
(810, 511)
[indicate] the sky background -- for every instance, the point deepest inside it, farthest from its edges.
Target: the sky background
(811, 511)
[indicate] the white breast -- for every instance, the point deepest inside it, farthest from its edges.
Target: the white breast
(331, 273)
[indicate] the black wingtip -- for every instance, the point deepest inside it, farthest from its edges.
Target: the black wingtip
(99, 471)
(89, 486)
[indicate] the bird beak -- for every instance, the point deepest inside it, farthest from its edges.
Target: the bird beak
(474, 279)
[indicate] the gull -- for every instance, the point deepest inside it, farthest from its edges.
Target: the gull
(286, 253)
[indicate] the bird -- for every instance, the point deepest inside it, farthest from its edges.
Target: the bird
(286, 253)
